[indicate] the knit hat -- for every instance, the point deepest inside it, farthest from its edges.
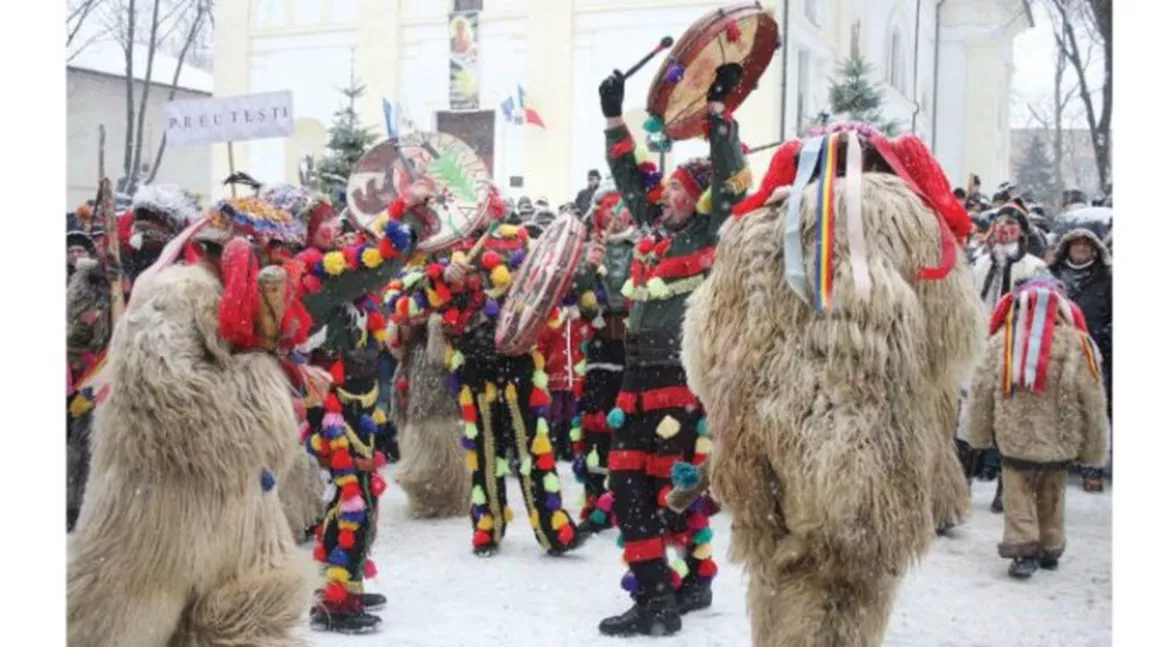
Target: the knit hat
(82, 239)
(165, 204)
(1016, 210)
(308, 209)
(695, 176)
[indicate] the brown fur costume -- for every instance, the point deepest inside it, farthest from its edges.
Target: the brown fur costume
(177, 542)
(828, 430)
(433, 472)
(301, 491)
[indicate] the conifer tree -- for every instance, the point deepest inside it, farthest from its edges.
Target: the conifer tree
(348, 140)
(1034, 172)
(855, 97)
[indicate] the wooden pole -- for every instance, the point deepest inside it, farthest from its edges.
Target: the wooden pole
(101, 151)
(232, 166)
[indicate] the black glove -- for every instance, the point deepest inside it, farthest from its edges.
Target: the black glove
(727, 76)
(611, 95)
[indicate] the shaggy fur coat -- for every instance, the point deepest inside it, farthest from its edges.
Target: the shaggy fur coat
(178, 541)
(828, 431)
(1067, 423)
(432, 473)
(301, 489)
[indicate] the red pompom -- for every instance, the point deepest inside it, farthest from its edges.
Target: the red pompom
(350, 491)
(318, 533)
(662, 247)
(708, 568)
(342, 460)
(451, 318)
(346, 539)
(337, 377)
(566, 534)
(319, 553)
(781, 172)
(387, 250)
(491, 260)
(435, 271)
(468, 413)
(378, 485)
(696, 521)
(336, 593)
(351, 255)
(662, 498)
(539, 398)
(645, 246)
(396, 208)
(676, 580)
(522, 234)
(546, 461)
(443, 292)
(375, 321)
(369, 569)
(310, 257)
(311, 284)
(480, 538)
(379, 460)
(401, 385)
(332, 404)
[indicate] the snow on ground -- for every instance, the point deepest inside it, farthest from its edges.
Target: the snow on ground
(440, 595)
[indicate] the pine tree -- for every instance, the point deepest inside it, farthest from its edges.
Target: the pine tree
(855, 97)
(348, 140)
(1034, 172)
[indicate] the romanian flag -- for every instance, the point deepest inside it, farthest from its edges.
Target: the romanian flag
(529, 113)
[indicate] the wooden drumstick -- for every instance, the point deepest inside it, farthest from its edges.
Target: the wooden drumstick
(663, 44)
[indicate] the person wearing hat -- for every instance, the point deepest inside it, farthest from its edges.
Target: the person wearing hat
(584, 198)
(525, 208)
(80, 245)
(1006, 264)
(657, 420)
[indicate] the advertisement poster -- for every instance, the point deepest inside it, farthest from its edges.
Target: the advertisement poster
(464, 43)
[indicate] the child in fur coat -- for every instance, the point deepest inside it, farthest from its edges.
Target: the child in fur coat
(1040, 397)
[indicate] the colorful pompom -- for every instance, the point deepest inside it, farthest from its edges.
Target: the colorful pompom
(684, 475)
(616, 418)
(501, 276)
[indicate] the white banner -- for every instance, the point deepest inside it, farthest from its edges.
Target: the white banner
(229, 119)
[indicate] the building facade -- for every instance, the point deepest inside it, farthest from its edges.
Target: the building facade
(944, 68)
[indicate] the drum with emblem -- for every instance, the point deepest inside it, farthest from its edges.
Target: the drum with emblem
(462, 193)
(540, 284)
(743, 33)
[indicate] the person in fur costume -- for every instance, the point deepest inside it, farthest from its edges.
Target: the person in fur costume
(433, 472)
(657, 419)
(601, 302)
(1039, 396)
(158, 213)
(835, 320)
(182, 539)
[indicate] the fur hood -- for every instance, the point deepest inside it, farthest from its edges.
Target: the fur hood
(1062, 252)
(88, 291)
(167, 202)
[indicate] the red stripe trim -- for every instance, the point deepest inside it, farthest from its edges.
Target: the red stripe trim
(683, 266)
(627, 460)
(644, 550)
(626, 401)
(1047, 342)
(596, 423)
(660, 466)
(623, 147)
(503, 243)
(671, 397)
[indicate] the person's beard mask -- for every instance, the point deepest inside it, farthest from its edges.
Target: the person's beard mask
(1003, 251)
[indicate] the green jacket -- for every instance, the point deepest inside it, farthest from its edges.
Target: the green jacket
(657, 310)
(607, 283)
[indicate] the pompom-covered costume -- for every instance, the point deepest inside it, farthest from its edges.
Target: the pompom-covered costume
(502, 399)
(1039, 395)
(821, 345)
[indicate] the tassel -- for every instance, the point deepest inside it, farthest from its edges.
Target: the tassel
(684, 475)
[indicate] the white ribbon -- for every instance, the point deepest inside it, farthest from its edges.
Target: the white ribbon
(855, 238)
(792, 239)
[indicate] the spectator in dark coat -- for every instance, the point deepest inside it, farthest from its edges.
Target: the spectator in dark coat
(583, 199)
(1082, 262)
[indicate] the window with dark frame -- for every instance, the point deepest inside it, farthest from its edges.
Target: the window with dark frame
(467, 5)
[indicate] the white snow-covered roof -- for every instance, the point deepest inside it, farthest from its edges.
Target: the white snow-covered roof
(107, 57)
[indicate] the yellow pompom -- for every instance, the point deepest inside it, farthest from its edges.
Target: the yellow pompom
(540, 363)
(371, 258)
(534, 518)
(339, 443)
(703, 552)
(80, 405)
(587, 300)
(459, 257)
(667, 428)
(472, 462)
(508, 231)
(432, 298)
(558, 520)
(512, 393)
(316, 442)
(501, 276)
(703, 445)
(490, 393)
(507, 515)
(348, 525)
(337, 574)
(448, 352)
(642, 154)
(334, 263)
(486, 522)
(379, 417)
(540, 445)
(465, 397)
(380, 336)
(703, 206)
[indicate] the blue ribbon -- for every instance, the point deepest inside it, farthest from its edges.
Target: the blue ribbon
(793, 242)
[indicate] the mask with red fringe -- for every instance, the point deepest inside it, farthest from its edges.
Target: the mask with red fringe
(240, 302)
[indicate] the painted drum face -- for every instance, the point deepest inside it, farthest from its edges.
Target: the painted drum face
(540, 284)
(744, 34)
(461, 193)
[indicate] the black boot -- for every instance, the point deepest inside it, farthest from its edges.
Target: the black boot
(348, 617)
(1048, 563)
(692, 597)
(658, 616)
(1023, 567)
(486, 550)
(373, 601)
(996, 504)
(578, 540)
(590, 526)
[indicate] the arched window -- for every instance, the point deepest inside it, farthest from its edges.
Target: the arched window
(896, 62)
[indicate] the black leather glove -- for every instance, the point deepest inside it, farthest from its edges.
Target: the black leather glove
(611, 95)
(727, 76)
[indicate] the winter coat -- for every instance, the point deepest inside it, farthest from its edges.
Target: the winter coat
(1089, 287)
(88, 305)
(1066, 423)
(1021, 269)
(561, 343)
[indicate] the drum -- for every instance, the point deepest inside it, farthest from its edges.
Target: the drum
(744, 33)
(539, 286)
(461, 197)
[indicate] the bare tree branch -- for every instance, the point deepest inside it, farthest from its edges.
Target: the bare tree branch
(130, 81)
(203, 7)
(137, 153)
(78, 17)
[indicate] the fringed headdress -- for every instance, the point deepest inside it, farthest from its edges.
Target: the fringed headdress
(257, 219)
(835, 158)
(1027, 316)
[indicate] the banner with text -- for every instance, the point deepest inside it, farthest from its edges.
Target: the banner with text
(229, 119)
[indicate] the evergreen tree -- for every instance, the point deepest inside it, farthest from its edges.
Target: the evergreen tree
(348, 140)
(855, 97)
(1034, 172)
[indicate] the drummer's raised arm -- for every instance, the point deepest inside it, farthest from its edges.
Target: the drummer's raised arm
(621, 153)
(731, 177)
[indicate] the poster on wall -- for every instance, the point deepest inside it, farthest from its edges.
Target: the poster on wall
(464, 43)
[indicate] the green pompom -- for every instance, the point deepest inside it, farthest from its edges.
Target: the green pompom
(477, 496)
(551, 483)
(470, 430)
(593, 458)
(525, 466)
(704, 428)
(501, 467)
(653, 124)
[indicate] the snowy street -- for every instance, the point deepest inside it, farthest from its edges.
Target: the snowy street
(440, 595)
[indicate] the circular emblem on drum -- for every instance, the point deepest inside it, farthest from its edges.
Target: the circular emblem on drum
(462, 184)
